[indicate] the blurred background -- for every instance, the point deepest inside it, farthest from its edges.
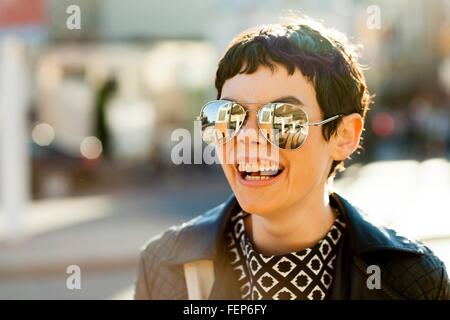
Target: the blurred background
(87, 111)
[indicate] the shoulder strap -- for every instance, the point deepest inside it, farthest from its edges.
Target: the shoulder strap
(199, 279)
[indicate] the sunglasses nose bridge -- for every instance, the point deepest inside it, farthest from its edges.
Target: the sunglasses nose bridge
(250, 122)
(250, 133)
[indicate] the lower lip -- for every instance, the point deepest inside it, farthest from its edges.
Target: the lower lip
(259, 183)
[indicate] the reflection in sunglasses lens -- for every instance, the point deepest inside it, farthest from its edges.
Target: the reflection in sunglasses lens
(220, 121)
(284, 125)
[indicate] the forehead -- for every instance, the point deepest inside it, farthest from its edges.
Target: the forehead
(264, 86)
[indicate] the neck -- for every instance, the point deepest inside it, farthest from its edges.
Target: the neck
(293, 228)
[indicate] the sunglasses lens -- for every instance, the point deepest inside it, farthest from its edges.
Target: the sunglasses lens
(220, 121)
(284, 125)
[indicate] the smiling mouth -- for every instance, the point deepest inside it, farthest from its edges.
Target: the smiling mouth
(260, 171)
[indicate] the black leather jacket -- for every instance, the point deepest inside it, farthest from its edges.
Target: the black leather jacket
(409, 270)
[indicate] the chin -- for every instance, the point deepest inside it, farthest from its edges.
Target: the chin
(256, 204)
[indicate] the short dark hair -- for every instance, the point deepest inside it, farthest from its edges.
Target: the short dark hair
(324, 56)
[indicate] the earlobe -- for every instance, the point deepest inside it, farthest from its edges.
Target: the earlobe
(346, 139)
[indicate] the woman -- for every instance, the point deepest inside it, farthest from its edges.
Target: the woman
(290, 108)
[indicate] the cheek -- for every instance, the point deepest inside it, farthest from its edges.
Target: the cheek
(225, 156)
(308, 164)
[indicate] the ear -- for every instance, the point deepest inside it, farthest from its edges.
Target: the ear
(346, 139)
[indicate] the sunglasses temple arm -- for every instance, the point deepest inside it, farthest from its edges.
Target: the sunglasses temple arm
(325, 121)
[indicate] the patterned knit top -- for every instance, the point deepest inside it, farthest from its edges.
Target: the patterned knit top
(302, 275)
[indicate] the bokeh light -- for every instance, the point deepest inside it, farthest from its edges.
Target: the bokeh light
(91, 148)
(43, 134)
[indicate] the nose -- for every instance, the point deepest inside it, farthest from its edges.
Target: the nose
(250, 141)
(249, 131)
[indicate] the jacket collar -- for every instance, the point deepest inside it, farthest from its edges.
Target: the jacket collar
(202, 237)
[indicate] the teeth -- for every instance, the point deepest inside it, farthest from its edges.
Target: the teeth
(265, 168)
(269, 172)
(253, 178)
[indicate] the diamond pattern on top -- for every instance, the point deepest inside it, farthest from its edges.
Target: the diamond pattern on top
(239, 227)
(326, 279)
(302, 254)
(335, 233)
(302, 280)
(256, 295)
(306, 274)
(267, 281)
(325, 248)
(234, 254)
(254, 265)
(284, 266)
(315, 264)
(284, 294)
(316, 294)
